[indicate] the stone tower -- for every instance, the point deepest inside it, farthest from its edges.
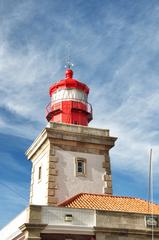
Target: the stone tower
(68, 158)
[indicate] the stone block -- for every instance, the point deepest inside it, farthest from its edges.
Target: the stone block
(52, 178)
(52, 151)
(108, 171)
(31, 231)
(103, 164)
(52, 200)
(53, 159)
(107, 158)
(34, 214)
(53, 172)
(52, 165)
(109, 184)
(52, 185)
(106, 165)
(107, 177)
(108, 191)
(51, 192)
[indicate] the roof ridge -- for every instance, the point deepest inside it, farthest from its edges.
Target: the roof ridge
(113, 196)
(118, 196)
(71, 199)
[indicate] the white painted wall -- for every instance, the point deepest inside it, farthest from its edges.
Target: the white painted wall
(80, 217)
(12, 230)
(39, 189)
(68, 184)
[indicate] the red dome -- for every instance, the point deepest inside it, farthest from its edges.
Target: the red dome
(69, 102)
(69, 82)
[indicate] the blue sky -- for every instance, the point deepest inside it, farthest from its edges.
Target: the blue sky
(115, 49)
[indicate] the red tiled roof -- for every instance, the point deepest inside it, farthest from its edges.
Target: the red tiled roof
(110, 203)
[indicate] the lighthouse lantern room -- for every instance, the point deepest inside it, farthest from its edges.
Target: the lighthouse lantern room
(69, 102)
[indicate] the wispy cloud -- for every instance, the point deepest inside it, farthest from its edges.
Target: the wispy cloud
(11, 165)
(115, 45)
(13, 200)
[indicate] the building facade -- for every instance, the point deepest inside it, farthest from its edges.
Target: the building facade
(68, 159)
(71, 182)
(62, 223)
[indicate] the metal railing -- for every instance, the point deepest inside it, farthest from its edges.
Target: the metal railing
(55, 105)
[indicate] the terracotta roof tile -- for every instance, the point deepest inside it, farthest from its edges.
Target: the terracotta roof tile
(110, 203)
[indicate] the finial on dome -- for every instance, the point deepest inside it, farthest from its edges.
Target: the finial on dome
(68, 73)
(68, 64)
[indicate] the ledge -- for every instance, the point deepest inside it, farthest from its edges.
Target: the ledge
(70, 132)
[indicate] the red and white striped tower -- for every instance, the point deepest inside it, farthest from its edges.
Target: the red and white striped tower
(69, 102)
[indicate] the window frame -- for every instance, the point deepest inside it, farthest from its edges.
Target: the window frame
(39, 173)
(84, 163)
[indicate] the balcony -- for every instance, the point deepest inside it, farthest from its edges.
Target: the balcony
(52, 109)
(56, 107)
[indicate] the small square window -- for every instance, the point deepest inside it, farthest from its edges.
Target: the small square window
(80, 164)
(39, 173)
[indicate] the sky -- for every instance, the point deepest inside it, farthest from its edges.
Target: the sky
(114, 45)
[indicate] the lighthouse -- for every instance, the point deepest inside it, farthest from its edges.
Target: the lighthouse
(68, 157)
(69, 101)
(71, 182)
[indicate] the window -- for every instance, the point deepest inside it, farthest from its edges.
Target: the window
(80, 166)
(39, 173)
(69, 93)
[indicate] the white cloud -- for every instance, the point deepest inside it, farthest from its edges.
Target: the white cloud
(13, 200)
(118, 60)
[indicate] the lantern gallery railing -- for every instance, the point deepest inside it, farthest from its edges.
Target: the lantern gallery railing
(55, 105)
